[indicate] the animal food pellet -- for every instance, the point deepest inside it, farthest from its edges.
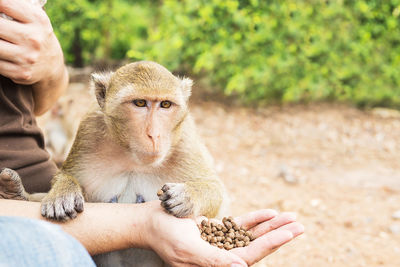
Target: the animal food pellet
(227, 235)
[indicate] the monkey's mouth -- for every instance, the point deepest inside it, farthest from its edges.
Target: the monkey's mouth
(152, 154)
(150, 158)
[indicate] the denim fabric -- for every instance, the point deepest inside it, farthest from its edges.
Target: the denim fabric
(27, 242)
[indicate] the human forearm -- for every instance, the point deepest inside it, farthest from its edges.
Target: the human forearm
(100, 228)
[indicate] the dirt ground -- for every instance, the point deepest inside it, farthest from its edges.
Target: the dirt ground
(337, 167)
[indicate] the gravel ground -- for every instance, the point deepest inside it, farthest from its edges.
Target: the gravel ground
(337, 167)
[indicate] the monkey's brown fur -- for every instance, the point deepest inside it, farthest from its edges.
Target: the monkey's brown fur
(112, 156)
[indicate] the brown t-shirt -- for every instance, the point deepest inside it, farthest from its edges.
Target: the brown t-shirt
(21, 140)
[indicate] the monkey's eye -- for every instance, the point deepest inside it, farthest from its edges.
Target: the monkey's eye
(165, 104)
(139, 103)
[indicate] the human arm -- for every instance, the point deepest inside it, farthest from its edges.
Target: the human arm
(106, 227)
(30, 53)
(100, 228)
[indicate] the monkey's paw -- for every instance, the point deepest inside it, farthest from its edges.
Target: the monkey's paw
(11, 185)
(176, 200)
(62, 207)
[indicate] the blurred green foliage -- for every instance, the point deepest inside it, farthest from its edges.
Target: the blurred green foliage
(93, 30)
(259, 51)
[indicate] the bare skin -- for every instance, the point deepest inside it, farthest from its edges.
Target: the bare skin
(30, 53)
(107, 227)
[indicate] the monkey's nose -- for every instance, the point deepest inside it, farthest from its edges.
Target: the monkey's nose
(155, 139)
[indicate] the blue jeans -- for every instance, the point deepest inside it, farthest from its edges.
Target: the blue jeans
(27, 242)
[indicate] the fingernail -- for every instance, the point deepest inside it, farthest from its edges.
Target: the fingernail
(236, 265)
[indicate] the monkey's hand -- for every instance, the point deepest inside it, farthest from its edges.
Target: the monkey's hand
(11, 185)
(64, 200)
(176, 200)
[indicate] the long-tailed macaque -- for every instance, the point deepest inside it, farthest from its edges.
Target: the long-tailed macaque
(140, 138)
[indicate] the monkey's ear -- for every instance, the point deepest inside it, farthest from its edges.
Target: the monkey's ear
(100, 82)
(186, 87)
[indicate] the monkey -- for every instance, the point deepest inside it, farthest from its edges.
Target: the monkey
(140, 137)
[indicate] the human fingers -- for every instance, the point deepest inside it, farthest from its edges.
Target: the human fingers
(275, 223)
(9, 51)
(207, 255)
(263, 246)
(254, 218)
(295, 228)
(189, 249)
(14, 30)
(15, 72)
(21, 10)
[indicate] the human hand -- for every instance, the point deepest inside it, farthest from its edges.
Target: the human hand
(271, 230)
(29, 50)
(178, 242)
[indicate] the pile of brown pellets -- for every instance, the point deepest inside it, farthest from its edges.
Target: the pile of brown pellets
(227, 235)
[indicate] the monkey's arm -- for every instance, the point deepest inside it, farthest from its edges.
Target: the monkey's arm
(65, 198)
(194, 197)
(199, 190)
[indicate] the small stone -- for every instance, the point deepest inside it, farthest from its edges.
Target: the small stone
(287, 175)
(394, 229)
(396, 215)
(315, 202)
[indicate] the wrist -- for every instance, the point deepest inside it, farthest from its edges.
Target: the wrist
(146, 218)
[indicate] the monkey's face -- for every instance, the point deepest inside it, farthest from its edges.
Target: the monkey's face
(149, 128)
(144, 107)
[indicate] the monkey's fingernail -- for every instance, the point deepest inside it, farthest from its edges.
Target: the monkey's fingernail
(165, 188)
